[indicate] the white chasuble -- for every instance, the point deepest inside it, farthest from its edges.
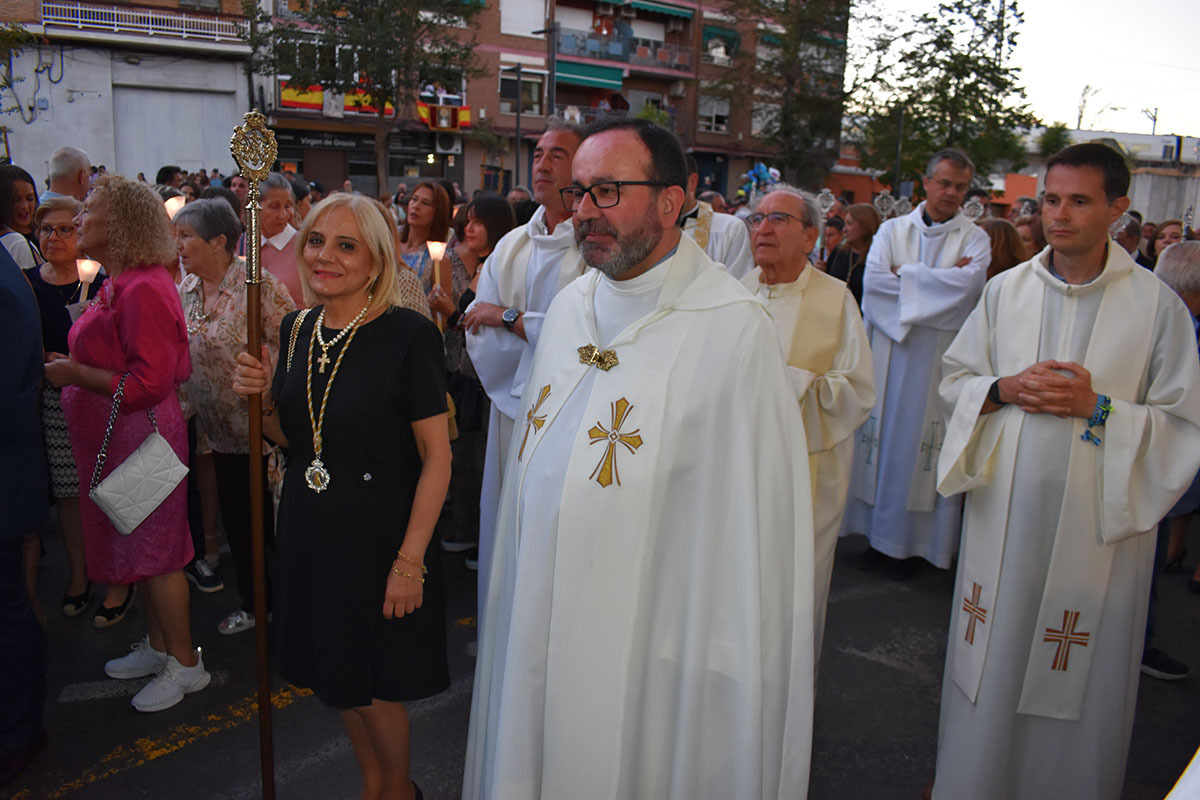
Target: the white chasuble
(911, 318)
(1054, 575)
(649, 620)
(824, 345)
(526, 270)
(724, 237)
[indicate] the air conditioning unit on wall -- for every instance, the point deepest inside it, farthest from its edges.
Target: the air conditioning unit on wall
(678, 89)
(448, 144)
(606, 9)
(675, 25)
(628, 11)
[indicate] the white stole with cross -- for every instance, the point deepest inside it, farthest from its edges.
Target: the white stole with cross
(908, 247)
(980, 457)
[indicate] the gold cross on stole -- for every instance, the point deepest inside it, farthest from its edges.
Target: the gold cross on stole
(534, 422)
(603, 359)
(1065, 638)
(606, 471)
(975, 611)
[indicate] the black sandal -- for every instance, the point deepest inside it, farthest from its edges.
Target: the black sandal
(75, 604)
(106, 616)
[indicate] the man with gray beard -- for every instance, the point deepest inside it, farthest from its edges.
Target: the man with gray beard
(649, 623)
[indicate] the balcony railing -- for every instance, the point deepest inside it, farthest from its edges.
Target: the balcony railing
(720, 59)
(682, 124)
(145, 21)
(624, 49)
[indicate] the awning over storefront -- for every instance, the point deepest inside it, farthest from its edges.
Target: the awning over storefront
(589, 75)
(662, 8)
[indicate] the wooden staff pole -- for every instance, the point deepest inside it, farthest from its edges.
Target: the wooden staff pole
(254, 149)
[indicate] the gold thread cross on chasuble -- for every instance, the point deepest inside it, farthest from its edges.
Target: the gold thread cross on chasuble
(605, 472)
(1064, 638)
(975, 612)
(533, 422)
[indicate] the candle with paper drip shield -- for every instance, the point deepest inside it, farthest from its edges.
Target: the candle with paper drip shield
(173, 204)
(87, 269)
(436, 251)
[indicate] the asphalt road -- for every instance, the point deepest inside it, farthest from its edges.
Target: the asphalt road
(875, 725)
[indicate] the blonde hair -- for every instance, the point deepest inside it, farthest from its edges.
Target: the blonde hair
(61, 203)
(139, 230)
(376, 236)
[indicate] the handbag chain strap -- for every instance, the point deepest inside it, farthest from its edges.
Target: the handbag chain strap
(102, 456)
(295, 332)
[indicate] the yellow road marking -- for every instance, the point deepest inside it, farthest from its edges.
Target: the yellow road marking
(142, 751)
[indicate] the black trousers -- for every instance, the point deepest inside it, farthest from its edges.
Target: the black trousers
(22, 656)
(233, 492)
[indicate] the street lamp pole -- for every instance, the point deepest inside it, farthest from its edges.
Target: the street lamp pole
(517, 160)
(551, 32)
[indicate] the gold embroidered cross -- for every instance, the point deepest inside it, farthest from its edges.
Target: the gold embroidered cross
(606, 471)
(603, 359)
(1064, 638)
(534, 422)
(975, 611)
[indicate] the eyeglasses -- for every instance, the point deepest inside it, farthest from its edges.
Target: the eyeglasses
(775, 218)
(605, 194)
(63, 231)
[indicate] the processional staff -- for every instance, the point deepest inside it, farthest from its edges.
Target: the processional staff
(253, 147)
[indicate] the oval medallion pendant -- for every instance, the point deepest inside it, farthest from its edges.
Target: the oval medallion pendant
(316, 476)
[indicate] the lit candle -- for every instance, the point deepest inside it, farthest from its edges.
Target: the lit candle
(87, 270)
(436, 251)
(173, 205)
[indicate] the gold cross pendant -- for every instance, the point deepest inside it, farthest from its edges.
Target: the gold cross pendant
(322, 362)
(603, 360)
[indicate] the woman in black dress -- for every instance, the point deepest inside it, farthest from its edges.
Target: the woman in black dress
(358, 400)
(849, 260)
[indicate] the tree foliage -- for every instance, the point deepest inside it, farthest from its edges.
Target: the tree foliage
(792, 80)
(375, 52)
(1054, 138)
(953, 81)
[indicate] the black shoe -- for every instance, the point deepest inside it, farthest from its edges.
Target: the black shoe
(75, 604)
(905, 568)
(417, 793)
(202, 576)
(106, 615)
(1158, 664)
(472, 560)
(871, 559)
(1177, 561)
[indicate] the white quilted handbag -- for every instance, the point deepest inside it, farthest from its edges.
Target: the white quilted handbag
(133, 490)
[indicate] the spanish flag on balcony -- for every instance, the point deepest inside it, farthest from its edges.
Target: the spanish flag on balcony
(444, 118)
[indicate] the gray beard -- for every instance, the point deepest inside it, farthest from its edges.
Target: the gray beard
(630, 250)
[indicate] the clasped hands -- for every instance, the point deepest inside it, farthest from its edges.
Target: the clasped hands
(482, 315)
(1044, 389)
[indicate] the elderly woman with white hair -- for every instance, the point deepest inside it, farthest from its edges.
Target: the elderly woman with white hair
(278, 243)
(1178, 266)
(359, 399)
(214, 304)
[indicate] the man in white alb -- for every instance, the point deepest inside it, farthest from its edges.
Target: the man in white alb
(522, 275)
(1073, 394)
(924, 274)
(723, 236)
(827, 356)
(648, 630)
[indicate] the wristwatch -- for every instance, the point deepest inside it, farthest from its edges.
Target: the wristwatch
(510, 317)
(993, 394)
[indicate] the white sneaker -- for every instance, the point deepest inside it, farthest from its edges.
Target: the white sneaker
(170, 685)
(143, 661)
(236, 622)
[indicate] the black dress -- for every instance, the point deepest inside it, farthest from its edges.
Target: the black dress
(847, 265)
(336, 548)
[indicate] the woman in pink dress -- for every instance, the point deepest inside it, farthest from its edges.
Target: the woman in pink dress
(134, 328)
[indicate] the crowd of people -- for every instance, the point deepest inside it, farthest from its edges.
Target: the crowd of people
(650, 415)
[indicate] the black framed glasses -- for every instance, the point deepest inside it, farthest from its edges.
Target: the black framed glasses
(775, 218)
(605, 194)
(63, 231)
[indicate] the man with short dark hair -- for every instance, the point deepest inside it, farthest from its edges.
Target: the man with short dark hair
(924, 273)
(170, 175)
(716, 200)
(1073, 397)
(722, 236)
(648, 630)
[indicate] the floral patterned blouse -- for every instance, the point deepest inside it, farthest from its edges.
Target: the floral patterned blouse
(215, 339)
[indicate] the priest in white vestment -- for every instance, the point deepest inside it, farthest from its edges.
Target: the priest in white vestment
(1074, 395)
(723, 236)
(826, 354)
(529, 266)
(924, 274)
(648, 630)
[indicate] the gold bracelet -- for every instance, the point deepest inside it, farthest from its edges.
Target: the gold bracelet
(417, 578)
(407, 559)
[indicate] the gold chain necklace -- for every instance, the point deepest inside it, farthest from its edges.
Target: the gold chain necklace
(323, 361)
(317, 476)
